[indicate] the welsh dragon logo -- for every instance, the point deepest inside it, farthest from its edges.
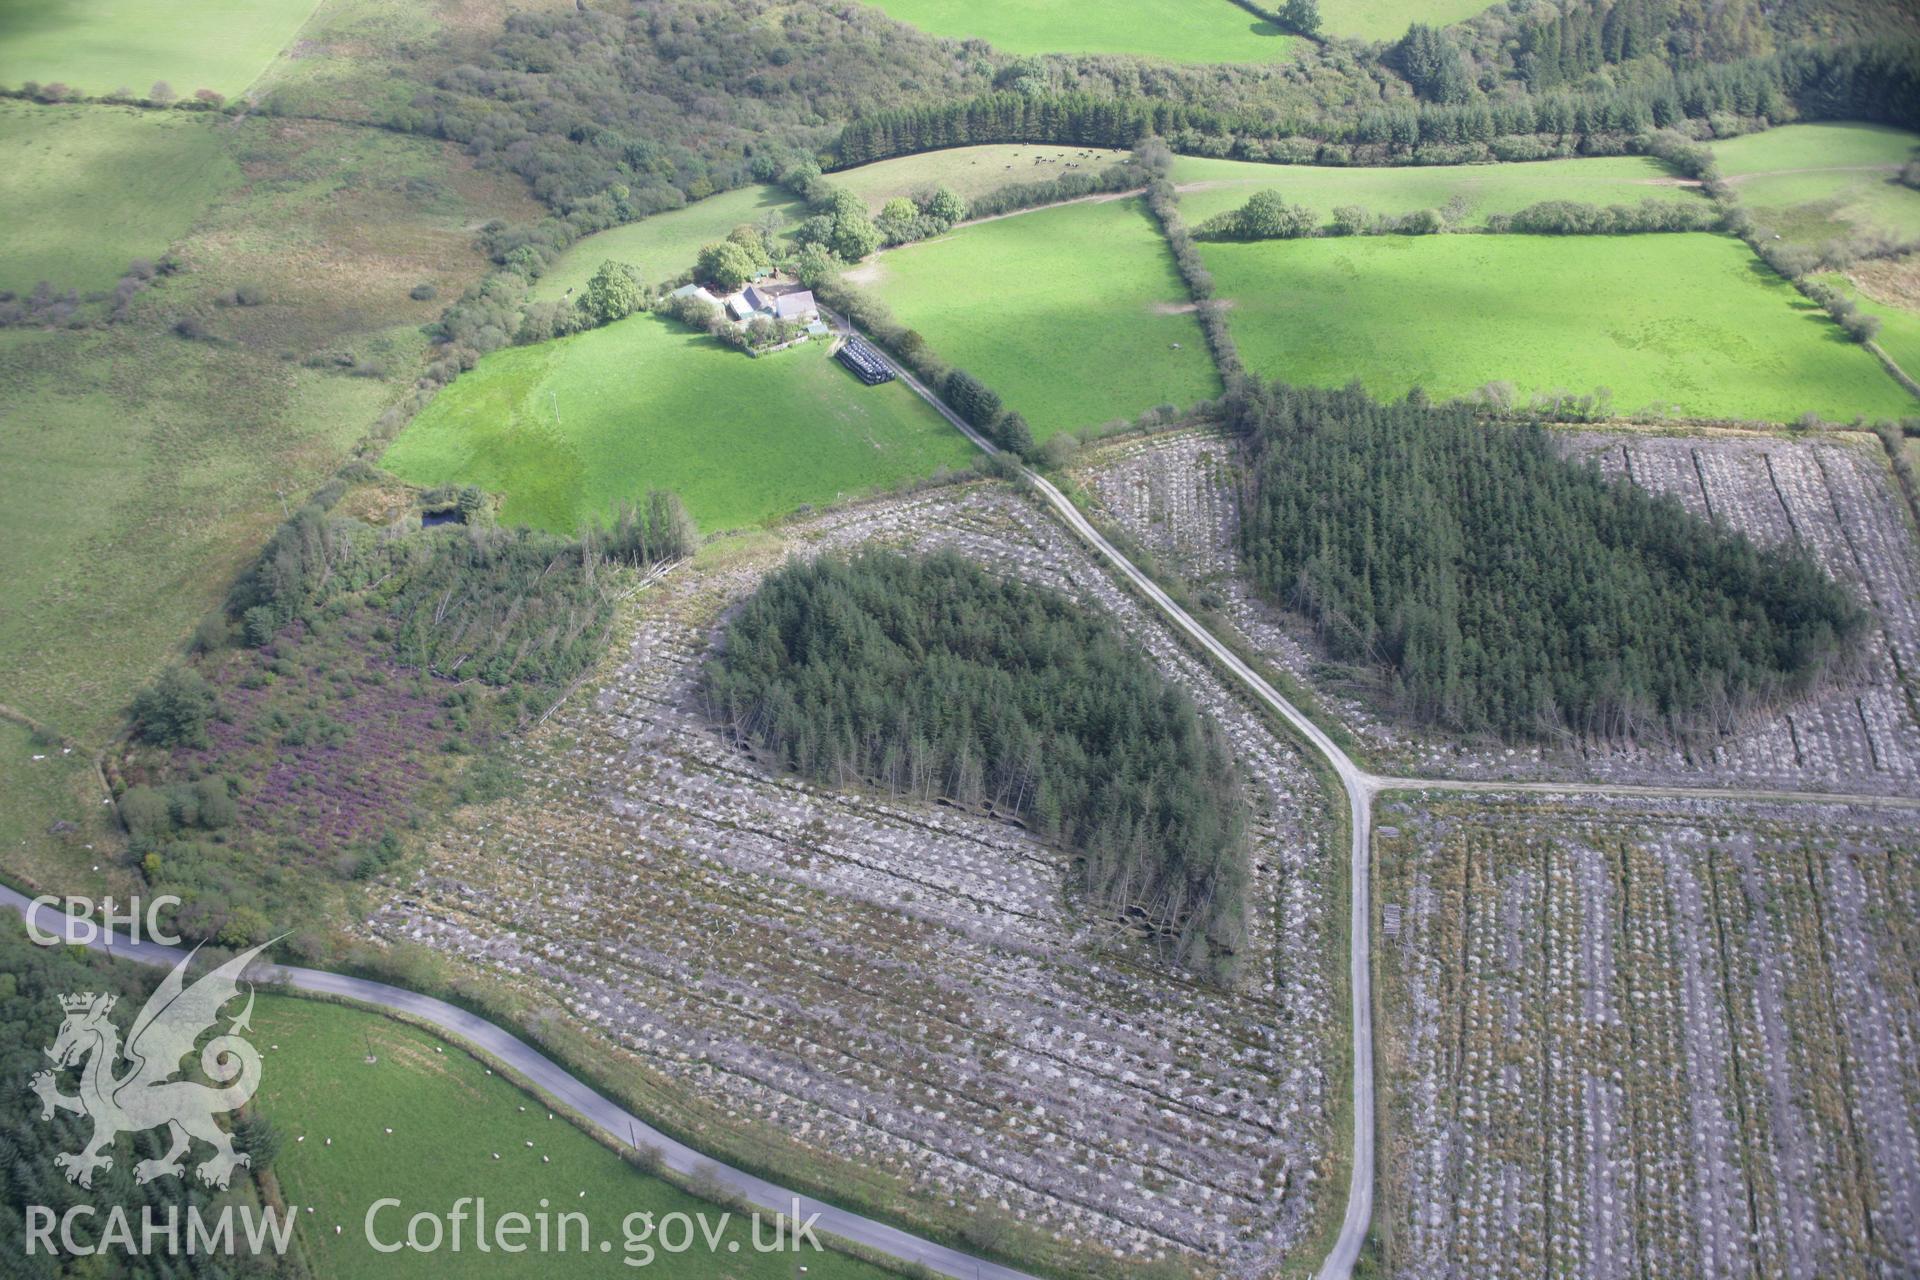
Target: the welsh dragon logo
(145, 1095)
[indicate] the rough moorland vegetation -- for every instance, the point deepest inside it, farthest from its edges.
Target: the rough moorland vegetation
(1497, 586)
(934, 679)
(358, 668)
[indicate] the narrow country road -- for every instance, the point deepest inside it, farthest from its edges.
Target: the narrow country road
(619, 1125)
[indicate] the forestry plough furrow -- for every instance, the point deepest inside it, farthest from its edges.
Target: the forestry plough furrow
(1672, 1038)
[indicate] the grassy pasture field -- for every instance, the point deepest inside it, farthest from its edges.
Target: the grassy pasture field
(1178, 30)
(1209, 186)
(449, 1117)
(970, 172)
(1687, 321)
(46, 787)
(1811, 183)
(1388, 19)
(667, 243)
(87, 189)
(1075, 314)
(568, 428)
(1899, 334)
(103, 45)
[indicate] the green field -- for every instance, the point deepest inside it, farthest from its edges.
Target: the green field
(1389, 19)
(1811, 183)
(100, 46)
(1072, 314)
(1180, 30)
(1899, 334)
(969, 171)
(567, 429)
(1685, 320)
(1211, 186)
(88, 189)
(40, 795)
(666, 244)
(449, 1118)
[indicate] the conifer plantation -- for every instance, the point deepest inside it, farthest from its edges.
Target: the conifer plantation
(1495, 586)
(932, 679)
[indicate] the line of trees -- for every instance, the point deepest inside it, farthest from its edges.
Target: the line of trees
(1267, 216)
(932, 679)
(1878, 81)
(1491, 585)
(1574, 218)
(1163, 201)
(1121, 175)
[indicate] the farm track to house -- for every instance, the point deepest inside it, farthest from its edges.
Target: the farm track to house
(1361, 787)
(1739, 178)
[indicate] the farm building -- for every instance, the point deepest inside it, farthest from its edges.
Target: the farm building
(754, 301)
(695, 291)
(796, 306)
